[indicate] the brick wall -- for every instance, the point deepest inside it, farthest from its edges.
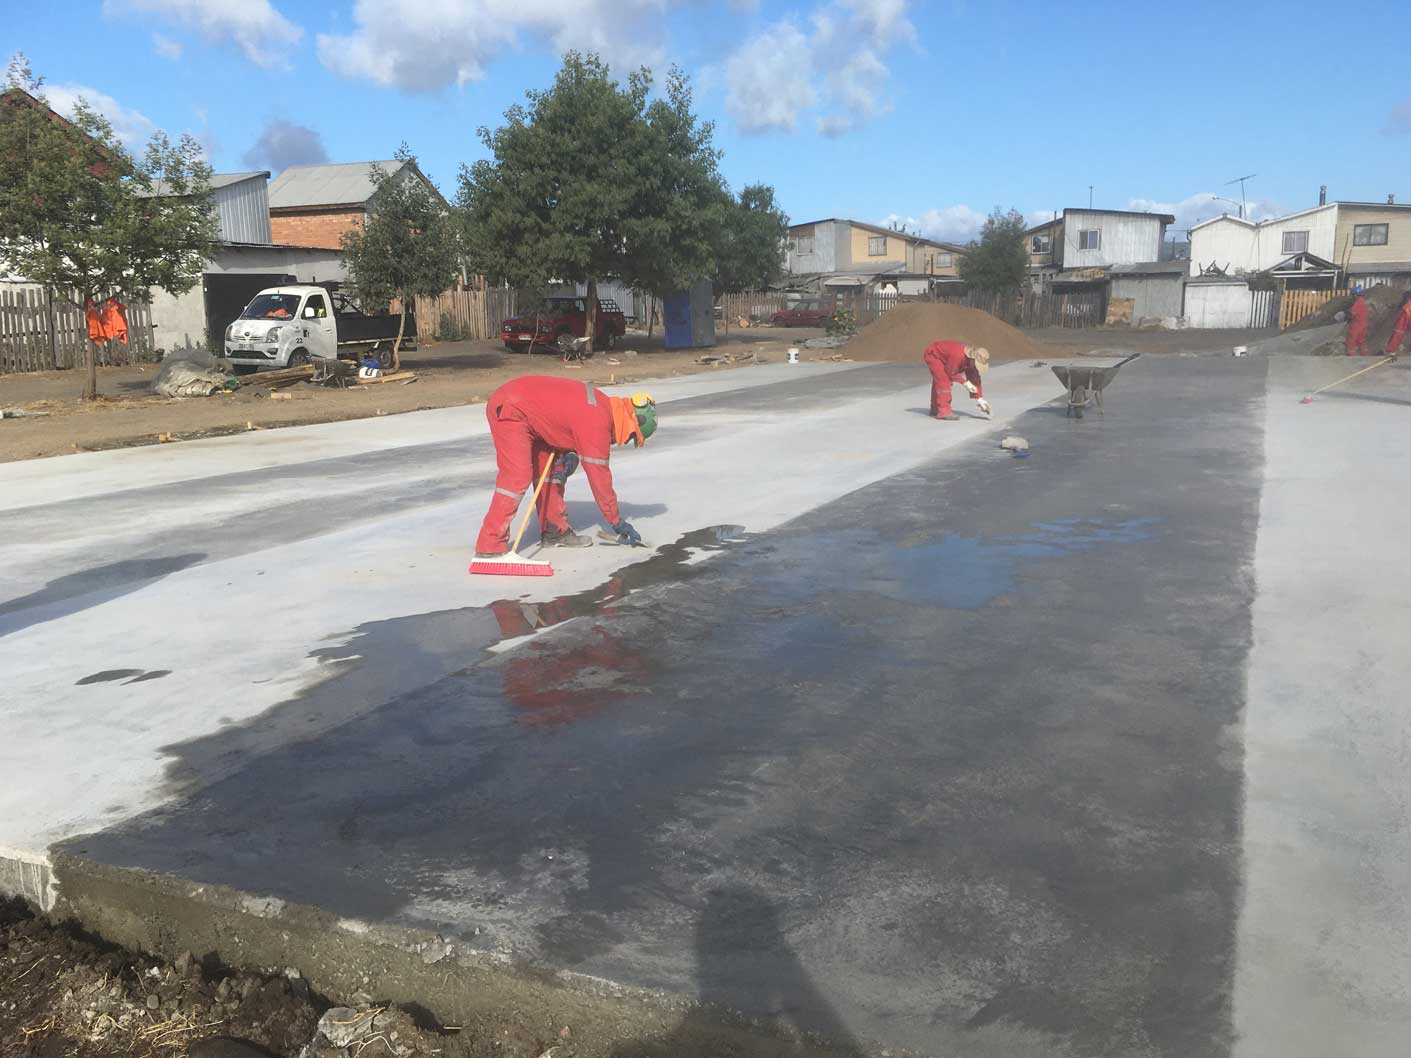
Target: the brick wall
(314, 227)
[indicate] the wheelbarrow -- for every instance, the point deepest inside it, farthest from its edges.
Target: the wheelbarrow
(1085, 384)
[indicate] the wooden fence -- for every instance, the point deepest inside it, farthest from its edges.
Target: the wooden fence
(461, 314)
(753, 305)
(39, 332)
(1297, 305)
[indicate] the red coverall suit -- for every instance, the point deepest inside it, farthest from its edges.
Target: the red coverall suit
(1399, 329)
(949, 365)
(531, 420)
(1357, 327)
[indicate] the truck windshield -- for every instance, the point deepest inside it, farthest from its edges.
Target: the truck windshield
(272, 307)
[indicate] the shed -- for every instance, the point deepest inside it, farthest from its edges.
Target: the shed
(1218, 301)
(1154, 287)
(241, 203)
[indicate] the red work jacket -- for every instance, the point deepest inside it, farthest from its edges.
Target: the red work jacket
(1399, 329)
(951, 359)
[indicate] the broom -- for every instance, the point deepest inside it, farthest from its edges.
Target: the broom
(1347, 378)
(511, 564)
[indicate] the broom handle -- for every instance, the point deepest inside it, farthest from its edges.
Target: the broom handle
(524, 524)
(1349, 378)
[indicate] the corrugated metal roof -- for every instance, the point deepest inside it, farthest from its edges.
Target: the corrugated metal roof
(218, 181)
(1150, 268)
(343, 184)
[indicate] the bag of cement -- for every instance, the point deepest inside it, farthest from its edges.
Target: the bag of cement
(183, 375)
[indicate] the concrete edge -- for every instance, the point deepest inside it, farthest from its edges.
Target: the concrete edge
(163, 915)
(29, 876)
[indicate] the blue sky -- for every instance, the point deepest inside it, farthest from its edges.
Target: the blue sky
(873, 109)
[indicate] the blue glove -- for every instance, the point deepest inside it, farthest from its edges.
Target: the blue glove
(627, 534)
(564, 466)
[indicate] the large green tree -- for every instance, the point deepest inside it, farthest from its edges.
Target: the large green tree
(408, 248)
(749, 250)
(85, 219)
(999, 261)
(593, 179)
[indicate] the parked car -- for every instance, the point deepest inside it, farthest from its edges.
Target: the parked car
(286, 326)
(539, 331)
(804, 314)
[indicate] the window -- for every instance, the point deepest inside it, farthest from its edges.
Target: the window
(805, 244)
(1041, 244)
(876, 246)
(945, 260)
(316, 308)
(1089, 239)
(1369, 235)
(1295, 242)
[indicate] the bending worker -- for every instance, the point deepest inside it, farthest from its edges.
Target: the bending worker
(952, 362)
(536, 419)
(1357, 324)
(1401, 326)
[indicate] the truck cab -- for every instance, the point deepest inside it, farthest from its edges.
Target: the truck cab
(283, 327)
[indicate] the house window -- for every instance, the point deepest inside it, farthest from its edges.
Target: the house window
(1041, 244)
(945, 260)
(1089, 239)
(1369, 235)
(805, 244)
(876, 246)
(1295, 242)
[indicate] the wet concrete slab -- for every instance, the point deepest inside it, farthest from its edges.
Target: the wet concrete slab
(952, 762)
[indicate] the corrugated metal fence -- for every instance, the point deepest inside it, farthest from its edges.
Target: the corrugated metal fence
(39, 333)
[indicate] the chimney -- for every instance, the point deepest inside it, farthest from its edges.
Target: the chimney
(1322, 194)
(1391, 200)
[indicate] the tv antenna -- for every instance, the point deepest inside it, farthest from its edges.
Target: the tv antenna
(1244, 208)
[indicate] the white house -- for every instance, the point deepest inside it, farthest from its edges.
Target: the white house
(1081, 244)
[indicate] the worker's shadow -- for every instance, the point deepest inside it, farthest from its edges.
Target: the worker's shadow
(586, 512)
(1364, 396)
(746, 969)
(962, 412)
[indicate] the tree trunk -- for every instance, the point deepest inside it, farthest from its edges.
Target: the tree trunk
(397, 345)
(651, 313)
(591, 300)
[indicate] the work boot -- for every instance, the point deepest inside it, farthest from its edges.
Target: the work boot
(948, 417)
(564, 537)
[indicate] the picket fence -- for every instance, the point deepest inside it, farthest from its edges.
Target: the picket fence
(39, 332)
(1297, 305)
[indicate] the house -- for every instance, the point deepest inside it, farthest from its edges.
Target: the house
(313, 205)
(1155, 288)
(1321, 248)
(837, 255)
(245, 261)
(1078, 246)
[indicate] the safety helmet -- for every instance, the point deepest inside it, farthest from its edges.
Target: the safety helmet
(1356, 291)
(981, 356)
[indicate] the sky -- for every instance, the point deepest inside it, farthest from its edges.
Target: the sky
(927, 112)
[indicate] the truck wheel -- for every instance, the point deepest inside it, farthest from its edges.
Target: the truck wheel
(243, 369)
(298, 358)
(384, 356)
(604, 341)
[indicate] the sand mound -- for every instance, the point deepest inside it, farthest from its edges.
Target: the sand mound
(1383, 301)
(904, 332)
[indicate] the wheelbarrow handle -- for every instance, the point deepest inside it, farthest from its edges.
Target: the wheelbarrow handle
(1128, 360)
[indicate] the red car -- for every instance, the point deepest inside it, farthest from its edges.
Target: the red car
(539, 331)
(804, 314)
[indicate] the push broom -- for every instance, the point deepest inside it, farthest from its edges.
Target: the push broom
(511, 564)
(1346, 378)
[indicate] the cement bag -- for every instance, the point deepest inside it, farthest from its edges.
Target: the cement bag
(186, 376)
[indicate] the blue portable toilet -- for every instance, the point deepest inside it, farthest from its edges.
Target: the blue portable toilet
(688, 317)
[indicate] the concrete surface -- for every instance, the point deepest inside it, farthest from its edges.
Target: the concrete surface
(1099, 752)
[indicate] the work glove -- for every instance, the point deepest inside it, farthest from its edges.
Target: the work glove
(983, 405)
(627, 534)
(970, 386)
(563, 468)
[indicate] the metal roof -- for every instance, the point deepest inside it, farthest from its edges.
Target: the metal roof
(1150, 268)
(218, 181)
(343, 184)
(952, 247)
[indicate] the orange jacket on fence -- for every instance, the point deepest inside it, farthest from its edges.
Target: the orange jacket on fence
(109, 323)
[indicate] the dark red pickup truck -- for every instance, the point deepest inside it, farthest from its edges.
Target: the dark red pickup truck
(539, 331)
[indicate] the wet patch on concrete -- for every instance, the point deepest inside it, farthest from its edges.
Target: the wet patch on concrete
(992, 811)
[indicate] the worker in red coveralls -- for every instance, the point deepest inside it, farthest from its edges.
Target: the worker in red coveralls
(952, 362)
(1401, 326)
(1357, 324)
(536, 419)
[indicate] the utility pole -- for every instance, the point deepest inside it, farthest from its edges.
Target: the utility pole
(1090, 196)
(1240, 180)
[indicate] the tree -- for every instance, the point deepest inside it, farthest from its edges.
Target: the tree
(86, 220)
(999, 260)
(589, 180)
(407, 249)
(750, 234)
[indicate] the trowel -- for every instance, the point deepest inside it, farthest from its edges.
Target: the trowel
(613, 540)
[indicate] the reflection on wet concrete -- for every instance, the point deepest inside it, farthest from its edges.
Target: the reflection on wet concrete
(995, 818)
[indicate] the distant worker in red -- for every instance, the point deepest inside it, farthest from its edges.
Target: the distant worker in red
(1357, 324)
(536, 419)
(952, 362)
(1401, 326)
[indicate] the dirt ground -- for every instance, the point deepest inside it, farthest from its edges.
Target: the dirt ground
(448, 374)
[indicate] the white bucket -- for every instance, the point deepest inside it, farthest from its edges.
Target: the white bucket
(1240, 350)
(793, 356)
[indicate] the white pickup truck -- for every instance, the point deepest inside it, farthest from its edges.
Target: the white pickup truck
(287, 326)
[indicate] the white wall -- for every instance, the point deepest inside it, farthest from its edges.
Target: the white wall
(1123, 239)
(1244, 248)
(1218, 304)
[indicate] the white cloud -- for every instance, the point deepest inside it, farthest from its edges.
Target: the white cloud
(425, 45)
(132, 127)
(255, 27)
(838, 65)
(1203, 206)
(166, 47)
(958, 224)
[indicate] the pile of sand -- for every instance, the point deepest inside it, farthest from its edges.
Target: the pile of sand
(904, 332)
(1382, 304)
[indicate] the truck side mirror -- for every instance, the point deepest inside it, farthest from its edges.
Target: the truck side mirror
(309, 312)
